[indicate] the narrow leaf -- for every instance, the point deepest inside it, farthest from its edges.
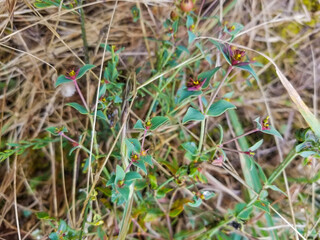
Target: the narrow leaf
(84, 69)
(78, 107)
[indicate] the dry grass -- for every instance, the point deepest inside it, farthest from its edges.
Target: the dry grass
(36, 45)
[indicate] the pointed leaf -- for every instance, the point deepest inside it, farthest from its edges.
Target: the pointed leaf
(192, 115)
(250, 70)
(62, 79)
(112, 179)
(275, 188)
(78, 107)
(256, 145)
(197, 202)
(84, 69)
(157, 122)
(124, 191)
(120, 174)
(147, 159)
(138, 125)
(101, 115)
(131, 176)
(185, 93)
(208, 194)
(192, 37)
(140, 164)
(220, 107)
(263, 205)
(191, 148)
(189, 22)
(273, 132)
(207, 75)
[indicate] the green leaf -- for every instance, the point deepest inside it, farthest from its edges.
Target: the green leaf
(138, 125)
(84, 69)
(133, 145)
(192, 37)
(53, 236)
(131, 176)
(153, 181)
(245, 214)
(263, 205)
(157, 122)
(197, 202)
(163, 191)
(237, 27)
(189, 22)
(220, 107)
(62, 79)
(147, 159)
(191, 148)
(275, 188)
(242, 211)
(43, 215)
(207, 75)
(102, 90)
(250, 70)
(272, 131)
(185, 93)
(175, 26)
(78, 107)
(263, 194)
(256, 145)
(140, 164)
(183, 49)
(101, 115)
(120, 174)
(221, 47)
(306, 154)
(112, 179)
(208, 194)
(192, 115)
(52, 130)
(135, 13)
(124, 191)
(62, 225)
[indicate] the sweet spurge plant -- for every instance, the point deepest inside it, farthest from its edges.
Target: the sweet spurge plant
(156, 139)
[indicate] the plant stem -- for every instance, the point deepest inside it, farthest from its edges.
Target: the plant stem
(83, 33)
(292, 154)
(81, 96)
(68, 138)
(128, 167)
(203, 124)
(144, 137)
(213, 97)
(200, 103)
(242, 135)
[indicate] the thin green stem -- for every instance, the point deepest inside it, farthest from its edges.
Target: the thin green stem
(213, 96)
(292, 155)
(83, 33)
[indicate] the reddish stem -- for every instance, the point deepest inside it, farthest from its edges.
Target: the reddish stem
(80, 94)
(200, 103)
(68, 138)
(242, 135)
